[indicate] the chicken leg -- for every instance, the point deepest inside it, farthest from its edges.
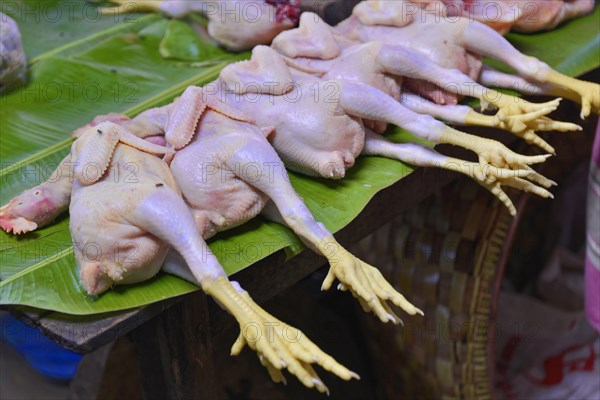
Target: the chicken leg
(414, 154)
(492, 77)
(401, 61)
(165, 215)
(524, 126)
(235, 154)
(485, 41)
(370, 103)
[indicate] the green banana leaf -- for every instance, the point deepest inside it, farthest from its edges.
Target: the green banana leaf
(88, 67)
(573, 48)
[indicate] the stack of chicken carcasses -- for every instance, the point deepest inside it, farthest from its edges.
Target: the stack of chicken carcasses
(312, 102)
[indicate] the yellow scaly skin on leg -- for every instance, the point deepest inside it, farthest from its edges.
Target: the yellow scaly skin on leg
(364, 281)
(270, 338)
(512, 106)
(494, 153)
(524, 126)
(588, 92)
(500, 177)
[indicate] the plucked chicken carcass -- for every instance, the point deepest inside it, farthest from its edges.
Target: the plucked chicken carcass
(145, 219)
(319, 138)
(235, 24)
(518, 15)
(459, 44)
(316, 48)
(314, 138)
(229, 173)
(316, 125)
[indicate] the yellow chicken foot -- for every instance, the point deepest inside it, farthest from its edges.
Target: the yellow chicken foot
(588, 92)
(494, 180)
(524, 126)
(278, 345)
(513, 106)
(364, 282)
(482, 40)
(490, 151)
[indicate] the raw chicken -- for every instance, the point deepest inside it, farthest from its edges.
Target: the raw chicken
(460, 44)
(314, 47)
(518, 15)
(124, 239)
(235, 24)
(539, 15)
(229, 173)
(317, 125)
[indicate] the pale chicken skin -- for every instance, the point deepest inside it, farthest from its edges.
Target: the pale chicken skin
(100, 222)
(126, 212)
(310, 130)
(453, 44)
(518, 15)
(212, 178)
(228, 173)
(316, 126)
(111, 242)
(235, 24)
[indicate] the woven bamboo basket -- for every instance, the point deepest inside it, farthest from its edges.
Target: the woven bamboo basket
(449, 251)
(448, 256)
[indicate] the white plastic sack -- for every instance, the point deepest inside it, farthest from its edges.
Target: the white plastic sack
(545, 353)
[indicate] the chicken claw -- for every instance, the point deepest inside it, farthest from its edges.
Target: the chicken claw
(490, 151)
(544, 124)
(279, 346)
(588, 92)
(494, 178)
(510, 105)
(524, 126)
(364, 282)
